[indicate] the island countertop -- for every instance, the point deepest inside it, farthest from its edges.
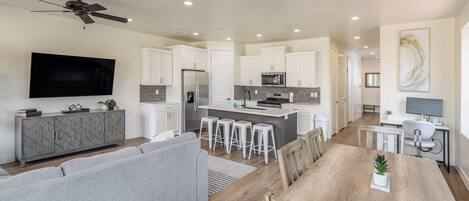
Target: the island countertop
(271, 112)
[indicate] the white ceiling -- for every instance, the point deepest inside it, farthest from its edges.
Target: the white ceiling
(275, 19)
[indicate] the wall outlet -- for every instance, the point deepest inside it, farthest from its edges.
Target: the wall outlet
(314, 94)
(157, 92)
(256, 92)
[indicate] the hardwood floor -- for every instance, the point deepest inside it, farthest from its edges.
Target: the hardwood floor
(265, 179)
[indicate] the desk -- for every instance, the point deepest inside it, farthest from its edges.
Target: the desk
(345, 172)
(446, 139)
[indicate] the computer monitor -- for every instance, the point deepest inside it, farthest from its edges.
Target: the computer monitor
(430, 107)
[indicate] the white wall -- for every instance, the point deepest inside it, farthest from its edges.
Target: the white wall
(462, 141)
(370, 96)
(442, 70)
(322, 45)
(24, 32)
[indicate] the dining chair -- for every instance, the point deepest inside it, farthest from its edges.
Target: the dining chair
(315, 145)
(386, 138)
(291, 161)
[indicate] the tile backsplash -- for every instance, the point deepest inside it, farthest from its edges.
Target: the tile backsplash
(301, 94)
(148, 93)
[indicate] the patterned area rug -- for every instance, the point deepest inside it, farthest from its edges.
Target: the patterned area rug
(222, 173)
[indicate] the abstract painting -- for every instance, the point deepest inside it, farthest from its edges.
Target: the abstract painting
(415, 60)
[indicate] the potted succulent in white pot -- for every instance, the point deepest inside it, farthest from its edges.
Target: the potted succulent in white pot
(381, 171)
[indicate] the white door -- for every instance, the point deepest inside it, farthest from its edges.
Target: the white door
(304, 122)
(293, 70)
(220, 75)
(161, 121)
(172, 121)
(342, 93)
(166, 69)
(308, 70)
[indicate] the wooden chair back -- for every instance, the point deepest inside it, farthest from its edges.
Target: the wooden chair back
(291, 162)
(386, 138)
(315, 145)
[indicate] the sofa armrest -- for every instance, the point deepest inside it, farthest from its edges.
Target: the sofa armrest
(202, 176)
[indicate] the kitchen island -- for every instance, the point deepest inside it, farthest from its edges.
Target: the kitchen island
(283, 120)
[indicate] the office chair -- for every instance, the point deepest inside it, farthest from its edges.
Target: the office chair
(419, 134)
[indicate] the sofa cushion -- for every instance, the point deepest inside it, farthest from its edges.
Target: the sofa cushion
(30, 177)
(152, 146)
(79, 164)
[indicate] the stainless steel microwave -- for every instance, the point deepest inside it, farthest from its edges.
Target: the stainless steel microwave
(274, 79)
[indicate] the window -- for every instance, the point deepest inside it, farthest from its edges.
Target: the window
(372, 80)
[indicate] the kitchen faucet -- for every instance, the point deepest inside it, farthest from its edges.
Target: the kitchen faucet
(244, 97)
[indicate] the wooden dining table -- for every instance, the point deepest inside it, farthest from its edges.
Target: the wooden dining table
(344, 173)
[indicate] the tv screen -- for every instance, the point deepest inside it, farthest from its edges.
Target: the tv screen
(61, 76)
(431, 107)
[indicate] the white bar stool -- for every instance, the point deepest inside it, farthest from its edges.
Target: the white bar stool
(210, 121)
(240, 128)
(226, 124)
(263, 131)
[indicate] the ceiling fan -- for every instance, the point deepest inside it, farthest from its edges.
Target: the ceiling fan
(84, 10)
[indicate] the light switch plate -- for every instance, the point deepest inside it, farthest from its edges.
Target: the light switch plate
(157, 92)
(314, 94)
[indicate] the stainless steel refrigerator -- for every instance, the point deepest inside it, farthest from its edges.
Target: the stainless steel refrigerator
(195, 92)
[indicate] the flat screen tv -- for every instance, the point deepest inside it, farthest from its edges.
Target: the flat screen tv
(62, 76)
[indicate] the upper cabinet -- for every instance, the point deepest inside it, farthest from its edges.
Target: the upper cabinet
(302, 69)
(156, 67)
(251, 69)
(273, 59)
(191, 57)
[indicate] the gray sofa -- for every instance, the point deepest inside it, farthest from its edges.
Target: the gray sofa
(174, 170)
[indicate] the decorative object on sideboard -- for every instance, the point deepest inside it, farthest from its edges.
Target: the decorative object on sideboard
(381, 178)
(109, 104)
(415, 60)
(388, 114)
(28, 113)
(75, 108)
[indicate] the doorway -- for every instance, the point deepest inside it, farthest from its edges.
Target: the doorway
(339, 90)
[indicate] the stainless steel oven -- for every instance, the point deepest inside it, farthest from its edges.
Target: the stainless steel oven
(274, 79)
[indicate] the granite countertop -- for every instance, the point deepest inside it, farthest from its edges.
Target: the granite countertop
(272, 112)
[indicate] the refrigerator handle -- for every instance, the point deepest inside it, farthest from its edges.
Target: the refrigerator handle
(196, 102)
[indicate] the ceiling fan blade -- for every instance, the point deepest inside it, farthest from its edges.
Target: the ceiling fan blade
(95, 7)
(52, 3)
(51, 11)
(110, 17)
(86, 19)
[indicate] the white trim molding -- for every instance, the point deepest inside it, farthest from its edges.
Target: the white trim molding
(464, 176)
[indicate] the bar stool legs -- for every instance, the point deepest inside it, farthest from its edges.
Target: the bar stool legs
(263, 131)
(210, 121)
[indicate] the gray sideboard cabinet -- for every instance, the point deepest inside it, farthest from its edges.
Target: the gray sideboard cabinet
(58, 134)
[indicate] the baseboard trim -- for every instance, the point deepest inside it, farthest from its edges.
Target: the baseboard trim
(464, 176)
(7, 158)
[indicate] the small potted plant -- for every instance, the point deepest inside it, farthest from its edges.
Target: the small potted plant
(107, 105)
(380, 174)
(388, 114)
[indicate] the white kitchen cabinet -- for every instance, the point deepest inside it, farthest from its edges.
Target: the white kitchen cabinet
(251, 69)
(301, 68)
(191, 57)
(273, 59)
(156, 67)
(159, 117)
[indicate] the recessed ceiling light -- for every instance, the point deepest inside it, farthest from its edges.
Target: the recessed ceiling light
(259, 35)
(228, 38)
(354, 18)
(357, 37)
(195, 34)
(129, 20)
(188, 3)
(372, 53)
(366, 47)
(296, 30)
